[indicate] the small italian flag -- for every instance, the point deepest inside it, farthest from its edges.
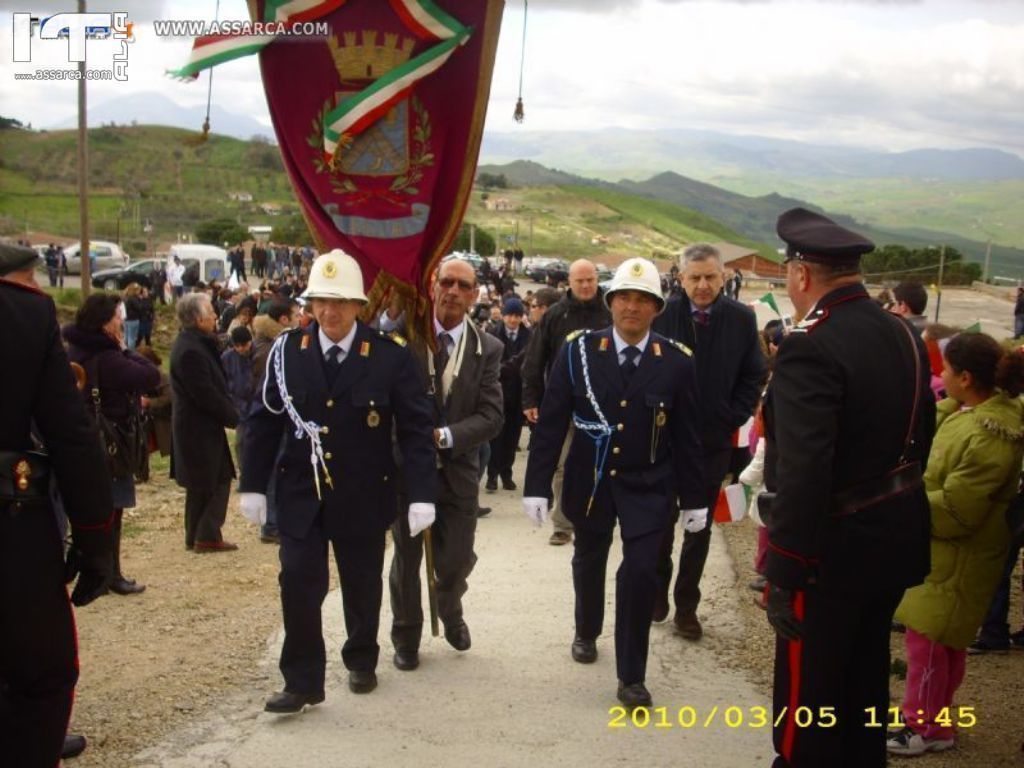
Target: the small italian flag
(976, 328)
(732, 503)
(767, 300)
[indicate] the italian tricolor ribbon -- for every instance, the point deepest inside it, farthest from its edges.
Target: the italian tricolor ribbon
(356, 113)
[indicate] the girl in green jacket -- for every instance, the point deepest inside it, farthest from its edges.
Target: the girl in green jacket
(973, 473)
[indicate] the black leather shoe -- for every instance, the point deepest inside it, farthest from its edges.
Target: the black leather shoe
(509, 485)
(584, 651)
(362, 681)
(634, 695)
(74, 745)
(688, 625)
(457, 636)
(491, 484)
(406, 660)
(122, 586)
(483, 511)
(660, 608)
(286, 702)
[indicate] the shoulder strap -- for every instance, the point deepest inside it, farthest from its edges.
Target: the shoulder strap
(917, 388)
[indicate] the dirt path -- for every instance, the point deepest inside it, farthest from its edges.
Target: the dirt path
(176, 677)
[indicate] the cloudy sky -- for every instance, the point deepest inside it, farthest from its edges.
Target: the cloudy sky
(882, 73)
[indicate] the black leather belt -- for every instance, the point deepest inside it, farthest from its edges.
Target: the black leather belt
(24, 476)
(903, 479)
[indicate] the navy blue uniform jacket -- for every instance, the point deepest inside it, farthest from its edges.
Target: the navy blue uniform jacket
(654, 455)
(378, 391)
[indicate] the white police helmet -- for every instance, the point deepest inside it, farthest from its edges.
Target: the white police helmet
(335, 275)
(636, 275)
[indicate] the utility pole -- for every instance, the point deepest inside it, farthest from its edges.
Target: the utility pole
(530, 247)
(938, 287)
(83, 176)
(472, 238)
(988, 256)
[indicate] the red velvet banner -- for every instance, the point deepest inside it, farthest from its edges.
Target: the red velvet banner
(395, 196)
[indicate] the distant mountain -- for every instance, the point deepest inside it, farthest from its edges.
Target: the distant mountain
(754, 217)
(152, 108)
(617, 152)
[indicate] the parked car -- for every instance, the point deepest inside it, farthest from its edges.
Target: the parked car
(474, 259)
(208, 262)
(554, 273)
(119, 278)
(534, 268)
(104, 255)
(604, 272)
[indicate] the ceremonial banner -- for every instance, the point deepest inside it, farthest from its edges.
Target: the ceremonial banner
(379, 123)
(379, 126)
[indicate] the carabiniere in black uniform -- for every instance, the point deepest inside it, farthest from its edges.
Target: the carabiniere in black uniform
(849, 418)
(38, 654)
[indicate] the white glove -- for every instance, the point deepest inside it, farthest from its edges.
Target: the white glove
(536, 508)
(254, 507)
(695, 520)
(421, 517)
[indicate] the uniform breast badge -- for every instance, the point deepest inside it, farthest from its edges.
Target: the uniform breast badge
(372, 418)
(660, 419)
(364, 349)
(22, 472)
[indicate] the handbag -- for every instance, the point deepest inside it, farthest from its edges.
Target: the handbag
(124, 445)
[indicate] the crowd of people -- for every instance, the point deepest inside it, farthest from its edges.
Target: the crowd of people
(881, 472)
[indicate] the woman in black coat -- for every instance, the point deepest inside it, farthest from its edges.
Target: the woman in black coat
(200, 459)
(96, 342)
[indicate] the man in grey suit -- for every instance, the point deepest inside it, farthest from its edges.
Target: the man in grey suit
(463, 378)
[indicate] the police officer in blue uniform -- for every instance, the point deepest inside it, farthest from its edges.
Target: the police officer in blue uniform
(849, 418)
(632, 396)
(38, 649)
(339, 390)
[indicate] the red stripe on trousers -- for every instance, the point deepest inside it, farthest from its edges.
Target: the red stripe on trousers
(796, 648)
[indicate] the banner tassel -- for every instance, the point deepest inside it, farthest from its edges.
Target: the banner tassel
(519, 114)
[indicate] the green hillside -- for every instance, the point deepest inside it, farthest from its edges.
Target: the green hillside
(135, 173)
(573, 221)
(156, 173)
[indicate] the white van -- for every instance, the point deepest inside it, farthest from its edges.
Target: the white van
(210, 261)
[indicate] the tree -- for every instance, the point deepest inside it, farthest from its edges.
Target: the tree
(497, 181)
(292, 231)
(484, 241)
(220, 231)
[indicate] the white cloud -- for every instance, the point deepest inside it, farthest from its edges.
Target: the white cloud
(895, 74)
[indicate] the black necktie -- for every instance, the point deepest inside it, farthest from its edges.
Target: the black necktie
(332, 362)
(440, 361)
(702, 317)
(629, 364)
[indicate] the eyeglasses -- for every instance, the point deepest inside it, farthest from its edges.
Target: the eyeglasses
(448, 282)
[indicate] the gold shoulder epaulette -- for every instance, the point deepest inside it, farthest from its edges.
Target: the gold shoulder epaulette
(573, 335)
(393, 336)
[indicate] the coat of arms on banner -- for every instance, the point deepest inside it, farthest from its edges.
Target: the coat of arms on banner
(385, 163)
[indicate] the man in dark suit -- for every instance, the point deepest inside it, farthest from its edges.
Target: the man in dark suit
(730, 374)
(514, 336)
(467, 411)
(632, 396)
(849, 418)
(337, 391)
(38, 653)
(201, 460)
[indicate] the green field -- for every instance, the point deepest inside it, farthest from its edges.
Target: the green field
(975, 210)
